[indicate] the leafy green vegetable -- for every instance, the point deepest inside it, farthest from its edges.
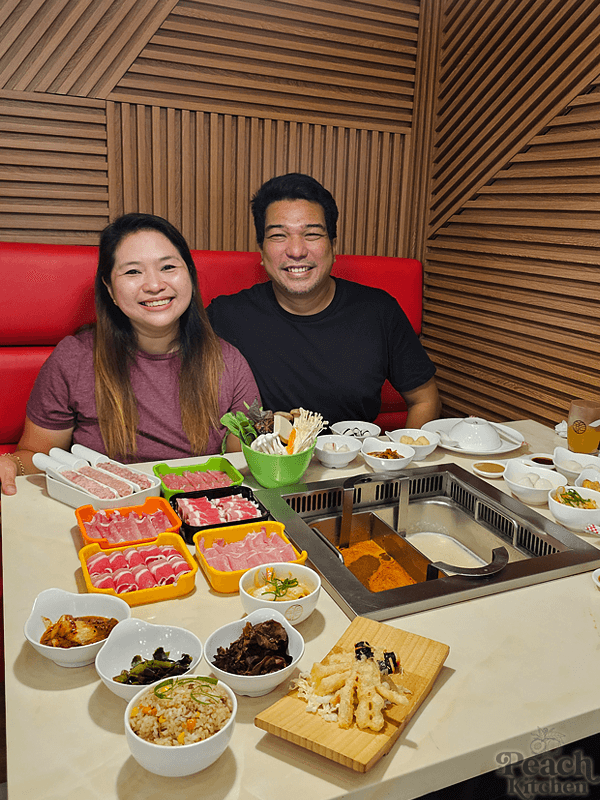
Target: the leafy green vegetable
(280, 587)
(153, 669)
(240, 426)
(199, 689)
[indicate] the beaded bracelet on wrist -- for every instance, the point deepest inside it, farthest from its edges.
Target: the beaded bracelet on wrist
(17, 459)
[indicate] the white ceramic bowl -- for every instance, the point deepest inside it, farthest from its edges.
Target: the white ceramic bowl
(354, 427)
(185, 759)
(536, 495)
(571, 464)
(596, 578)
(134, 637)
(336, 459)
(421, 450)
(588, 474)
(391, 465)
(475, 434)
(295, 611)
(53, 603)
(253, 685)
(576, 519)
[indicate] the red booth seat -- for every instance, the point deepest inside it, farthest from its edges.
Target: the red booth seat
(47, 293)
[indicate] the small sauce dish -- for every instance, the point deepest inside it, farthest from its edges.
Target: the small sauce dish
(544, 460)
(596, 577)
(489, 469)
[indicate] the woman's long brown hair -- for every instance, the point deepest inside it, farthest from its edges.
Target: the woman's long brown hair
(115, 347)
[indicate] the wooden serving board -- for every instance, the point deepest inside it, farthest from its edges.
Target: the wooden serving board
(422, 660)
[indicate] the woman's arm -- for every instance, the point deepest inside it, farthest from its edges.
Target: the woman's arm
(233, 444)
(33, 440)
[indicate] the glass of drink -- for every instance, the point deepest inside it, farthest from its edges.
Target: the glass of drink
(583, 426)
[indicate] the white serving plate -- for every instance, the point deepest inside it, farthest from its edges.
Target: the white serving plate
(446, 426)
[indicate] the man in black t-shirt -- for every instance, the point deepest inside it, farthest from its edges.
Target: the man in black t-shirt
(314, 341)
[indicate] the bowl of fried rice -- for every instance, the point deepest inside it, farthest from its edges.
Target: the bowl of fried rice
(180, 726)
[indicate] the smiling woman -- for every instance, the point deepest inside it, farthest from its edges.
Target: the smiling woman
(151, 380)
(151, 284)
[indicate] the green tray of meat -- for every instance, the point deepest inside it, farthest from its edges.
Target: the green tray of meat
(215, 473)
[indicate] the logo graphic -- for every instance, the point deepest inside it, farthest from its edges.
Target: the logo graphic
(549, 772)
(545, 739)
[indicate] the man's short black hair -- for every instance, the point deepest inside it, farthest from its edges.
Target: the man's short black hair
(293, 186)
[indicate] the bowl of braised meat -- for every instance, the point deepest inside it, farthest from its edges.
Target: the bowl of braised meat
(255, 654)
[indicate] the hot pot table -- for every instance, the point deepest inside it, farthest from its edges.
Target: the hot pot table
(521, 662)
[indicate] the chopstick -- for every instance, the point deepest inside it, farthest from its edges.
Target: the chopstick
(515, 439)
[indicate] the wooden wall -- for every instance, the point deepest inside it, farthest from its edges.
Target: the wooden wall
(513, 245)
(460, 132)
(184, 109)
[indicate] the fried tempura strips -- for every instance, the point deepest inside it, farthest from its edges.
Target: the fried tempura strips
(354, 686)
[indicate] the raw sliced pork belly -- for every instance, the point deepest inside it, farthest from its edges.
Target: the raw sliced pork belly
(254, 549)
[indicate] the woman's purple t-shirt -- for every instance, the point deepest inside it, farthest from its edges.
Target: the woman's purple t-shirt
(63, 397)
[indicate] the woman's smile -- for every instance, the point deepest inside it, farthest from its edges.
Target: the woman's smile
(151, 284)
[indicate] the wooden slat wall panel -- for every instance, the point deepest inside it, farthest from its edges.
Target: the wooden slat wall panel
(200, 170)
(53, 169)
(346, 63)
(205, 99)
(507, 68)
(512, 287)
(416, 200)
(75, 47)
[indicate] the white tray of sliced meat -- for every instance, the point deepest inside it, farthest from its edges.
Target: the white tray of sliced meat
(93, 479)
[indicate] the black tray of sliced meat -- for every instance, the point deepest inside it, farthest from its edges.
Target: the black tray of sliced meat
(216, 508)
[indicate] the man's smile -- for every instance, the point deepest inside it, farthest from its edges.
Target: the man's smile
(298, 270)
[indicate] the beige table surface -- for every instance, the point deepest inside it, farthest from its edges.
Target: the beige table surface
(523, 664)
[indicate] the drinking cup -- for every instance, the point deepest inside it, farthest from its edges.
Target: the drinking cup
(583, 426)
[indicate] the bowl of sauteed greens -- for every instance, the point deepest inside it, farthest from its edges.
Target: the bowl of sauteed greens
(138, 654)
